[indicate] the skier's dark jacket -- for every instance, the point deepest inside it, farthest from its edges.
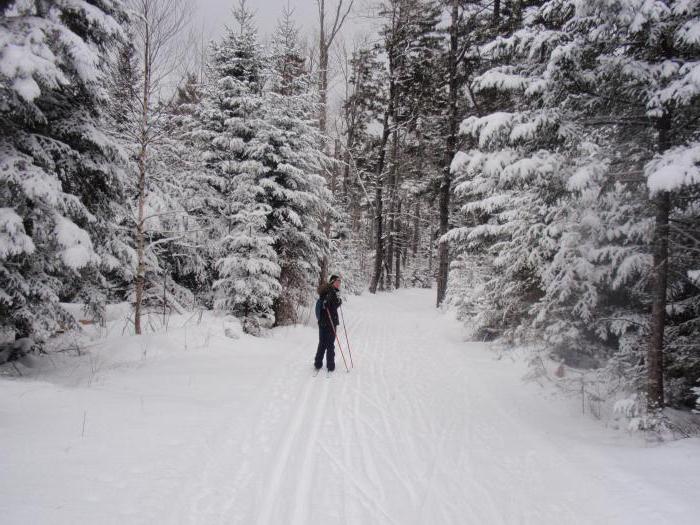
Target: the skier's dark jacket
(331, 301)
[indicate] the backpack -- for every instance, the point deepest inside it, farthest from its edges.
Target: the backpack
(320, 303)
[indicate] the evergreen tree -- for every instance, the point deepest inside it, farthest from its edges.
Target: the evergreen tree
(511, 179)
(188, 184)
(231, 121)
(60, 179)
(295, 189)
(656, 63)
(557, 213)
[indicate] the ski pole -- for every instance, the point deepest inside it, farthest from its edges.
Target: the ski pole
(342, 316)
(330, 320)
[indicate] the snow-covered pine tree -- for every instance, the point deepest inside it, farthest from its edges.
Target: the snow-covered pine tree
(591, 313)
(248, 270)
(606, 258)
(513, 177)
(188, 183)
(60, 180)
(633, 62)
(595, 227)
(295, 188)
(581, 245)
(591, 77)
(231, 119)
(652, 51)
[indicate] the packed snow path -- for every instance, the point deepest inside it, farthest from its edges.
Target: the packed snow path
(427, 429)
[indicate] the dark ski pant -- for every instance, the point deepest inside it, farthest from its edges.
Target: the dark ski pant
(326, 345)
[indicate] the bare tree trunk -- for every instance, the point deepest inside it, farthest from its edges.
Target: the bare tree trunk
(378, 210)
(351, 116)
(356, 214)
(141, 187)
(416, 229)
(158, 24)
(445, 185)
(397, 247)
(389, 120)
(323, 89)
(362, 260)
(391, 217)
(325, 41)
(322, 118)
(334, 173)
(346, 163)
(416, 218)
(404, 244)
(378, 198)
(140, 277)
(655, 353)
(430, 243)
(323, 79)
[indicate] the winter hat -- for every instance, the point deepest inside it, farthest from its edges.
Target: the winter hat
(333, 279)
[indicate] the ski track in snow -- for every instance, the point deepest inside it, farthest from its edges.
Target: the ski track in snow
(426, 429)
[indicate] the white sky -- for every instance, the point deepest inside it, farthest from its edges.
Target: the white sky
(213, 15)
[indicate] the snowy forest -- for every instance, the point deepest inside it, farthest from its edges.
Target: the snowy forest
(536, 162)
(497, 202)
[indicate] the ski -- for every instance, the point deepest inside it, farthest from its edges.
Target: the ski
(316, 371)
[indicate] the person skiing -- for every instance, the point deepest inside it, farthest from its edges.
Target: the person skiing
(327, 315)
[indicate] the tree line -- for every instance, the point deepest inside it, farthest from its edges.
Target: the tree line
(115, 186)
(548, 153)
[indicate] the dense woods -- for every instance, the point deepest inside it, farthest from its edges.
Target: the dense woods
(538, 162)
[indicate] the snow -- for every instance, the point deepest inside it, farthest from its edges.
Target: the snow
(460, 160)
(13, 238)
(694, 275)
(24, 54)
(75, 245)
(489, 127)
(500, 80)
(676, 168)
(26, 88)
(190, 426)
(113, 312)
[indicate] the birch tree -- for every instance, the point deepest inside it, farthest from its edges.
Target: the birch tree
(157, 27)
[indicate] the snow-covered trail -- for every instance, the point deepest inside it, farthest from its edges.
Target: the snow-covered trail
(426, 429)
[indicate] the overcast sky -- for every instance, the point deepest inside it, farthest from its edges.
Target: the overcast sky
(212, 16)
(215, 14)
